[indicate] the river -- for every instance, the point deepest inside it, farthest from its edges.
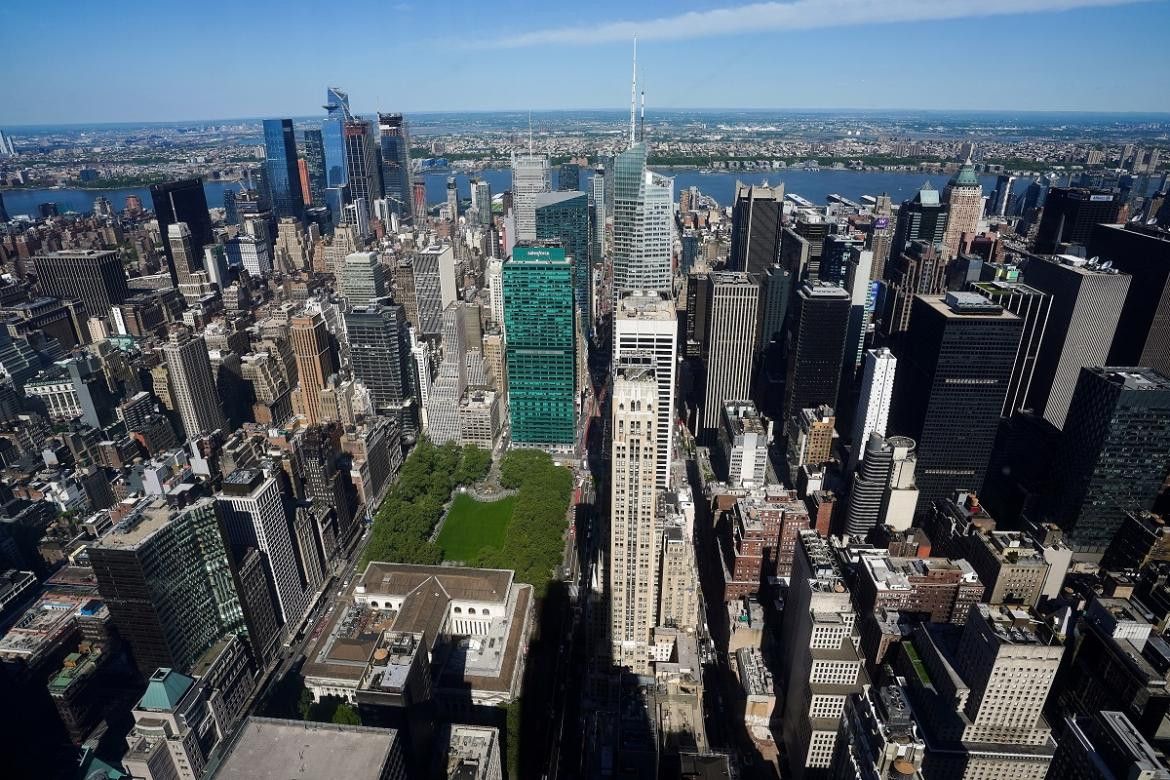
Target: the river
(813, 185)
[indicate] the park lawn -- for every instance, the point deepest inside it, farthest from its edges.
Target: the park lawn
(473, 525)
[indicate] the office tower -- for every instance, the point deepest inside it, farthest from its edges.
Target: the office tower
(568, 177)
(881, 234)
(919, 269)
(361, 156)
(1105, 746)
(1115, 454)
(873, 406)
(314, 146)
(678, 579)
(93, 276)
(698, 314)
(333, 135)
(434, 286)
(363, 279)
(166, 577)
(816, 347)
(6, 147)
(452, 199)
(1070, 214)
(743, 445)
(810, 229)
(819, 655)
(495, 285)
(953, 374)
(1002, 195)
(182, 201)
(530, 176)
(254, 516)
(186, 262)
(446, 391)
(394, 140)
(325, 482)
(540, 347)
(964, 198)
(597, 212)
(862, 303)
(280, 159)
(3, 212)
(756, 225)
(645, 332)
(836, 253)
(192, 385)
(730, 344)
(1032, 306)
(634, 520)
(810, 440)
(643, 225)
(481, 197)
(880, 738)
(1087, 301)
(921, 218)
(564, 217)
(1143, 331)
(871, 482)
(315, 361)
(379, 354)
(775, 294)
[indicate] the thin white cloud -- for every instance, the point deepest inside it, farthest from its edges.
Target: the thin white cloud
(795, 15)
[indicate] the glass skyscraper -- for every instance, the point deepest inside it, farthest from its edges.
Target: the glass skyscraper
(643, 224)
(538, 317)
(333, 135)
(564, 217)
(314, 146)
(394, 140)
(280, 160)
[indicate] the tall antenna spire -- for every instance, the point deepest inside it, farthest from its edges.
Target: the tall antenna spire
(634, 96)
(529, 133)
(642, 125)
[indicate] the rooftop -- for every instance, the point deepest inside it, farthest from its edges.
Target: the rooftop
(273, 749)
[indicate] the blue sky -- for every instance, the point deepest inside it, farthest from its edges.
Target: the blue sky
(120, 60)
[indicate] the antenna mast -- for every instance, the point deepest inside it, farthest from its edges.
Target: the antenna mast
(642, 126)
(634, 95)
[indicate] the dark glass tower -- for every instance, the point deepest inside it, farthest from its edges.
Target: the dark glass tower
(1115, 455)
(564, 217)
(1070, 213)
(569, 177)
(314, 146)
(96, 277)
(954, 368)
(333, 135)
(816, 347)
(1143, 330)
(182, 201)
(280, 160)
(756, 228)
(379, 349)
(394, 141)
(1032, 306)
(921, 218)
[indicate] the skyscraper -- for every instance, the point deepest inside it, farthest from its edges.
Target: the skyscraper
(597, 213)
(756, 227)
(1105, 746)
(3, 212)
(964, 199)
(363, 279)
(919, 269)
(643, 225)
(1070, 214)
(730, 344)
(394, 137)
(1115, 455)
(333, 135)
(1143, 330)
(568, 177)
(254, 515)
(447, 390)
(816, 347)
(379, 354)
(315, 363)
(1087, 301)
(192, 385)
(1032, 306)
(921, 218)
(540, 347)
(530, 176)
(166, 577)
(314, 146)
(646, 333)
(434, 286)
(280, 157)
(873, 407)
(564, 217)
(481, 199)
(94, 276)
(185, 259)
(495, 285)
(182, 201)
(953, 374)
(634, 531)
(1002, 195)
(361, 156)
(452, 199)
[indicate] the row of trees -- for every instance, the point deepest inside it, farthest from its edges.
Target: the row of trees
(403, 525)
(534, 544)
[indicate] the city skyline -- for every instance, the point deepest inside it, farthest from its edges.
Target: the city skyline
(877, 62)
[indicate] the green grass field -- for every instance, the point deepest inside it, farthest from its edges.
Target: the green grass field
(471, 526)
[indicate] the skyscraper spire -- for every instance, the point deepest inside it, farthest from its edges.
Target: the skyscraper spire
(530, 132)
(642, 123)
(634, 96)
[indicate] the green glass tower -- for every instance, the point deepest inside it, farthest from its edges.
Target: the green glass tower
(540, 347)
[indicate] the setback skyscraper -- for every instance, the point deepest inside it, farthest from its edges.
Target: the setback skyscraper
(953, 373)
(280, 158)
(643, 225)
(191, 383)
(730, 344)
(182, 201)
(873, 406)
(315, 363)
(964, 199)
(921, 218)
(756, 228)
(530, 177)
(646, 333)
